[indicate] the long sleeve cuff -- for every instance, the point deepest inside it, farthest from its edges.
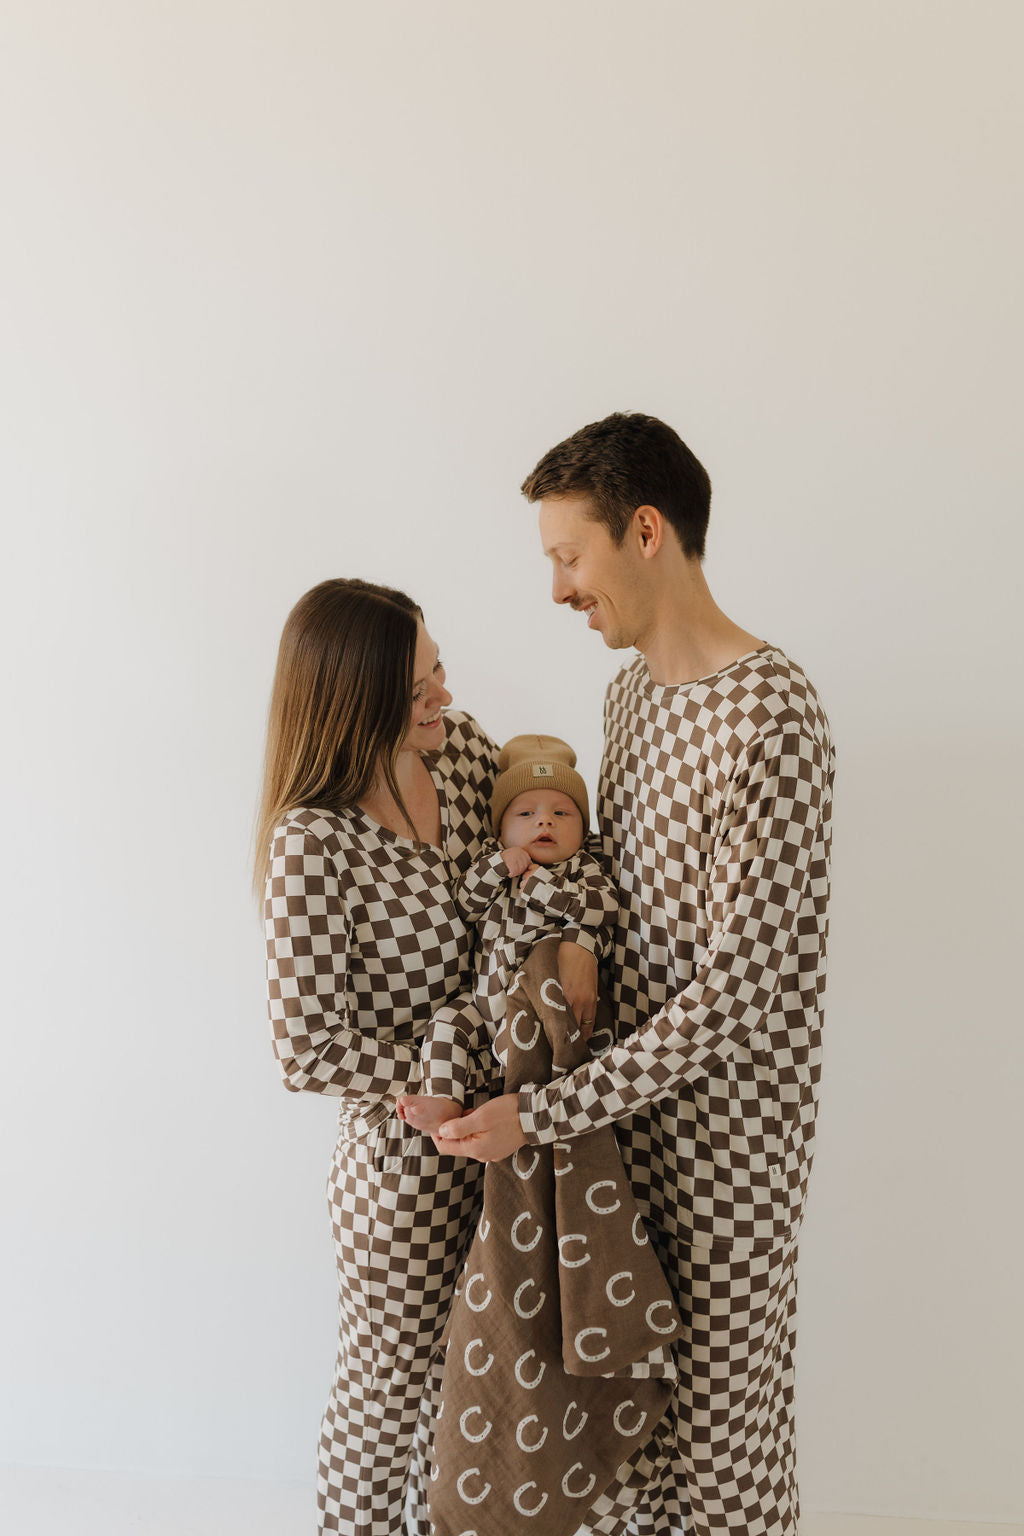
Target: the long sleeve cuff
(547, 893)
(353, 1067)
(587, 939)
(481, 884)
(534, 1119)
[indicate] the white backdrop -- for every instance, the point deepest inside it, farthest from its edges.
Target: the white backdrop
(305, 289)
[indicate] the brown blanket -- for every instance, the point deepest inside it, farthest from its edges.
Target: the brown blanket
(558, 1365)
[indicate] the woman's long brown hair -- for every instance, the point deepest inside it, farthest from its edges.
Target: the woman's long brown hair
(341, 703)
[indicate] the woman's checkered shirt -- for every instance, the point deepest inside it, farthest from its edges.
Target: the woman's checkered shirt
(364, 940)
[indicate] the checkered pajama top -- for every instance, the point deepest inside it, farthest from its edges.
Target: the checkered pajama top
(573, 899)
(364, 940)
(715, 810)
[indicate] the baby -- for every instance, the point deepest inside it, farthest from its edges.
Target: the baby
(536, 880)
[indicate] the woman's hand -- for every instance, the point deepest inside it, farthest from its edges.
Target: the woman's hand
(577, 976)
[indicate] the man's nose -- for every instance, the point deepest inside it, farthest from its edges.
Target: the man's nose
(561, 590)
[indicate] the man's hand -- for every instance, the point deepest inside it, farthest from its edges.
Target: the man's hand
(517, 861)
(488, 1134)
(577, 976)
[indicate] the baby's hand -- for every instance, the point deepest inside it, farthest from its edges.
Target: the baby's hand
(517, 861)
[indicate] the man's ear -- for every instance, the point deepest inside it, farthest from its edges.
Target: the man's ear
(648, 528)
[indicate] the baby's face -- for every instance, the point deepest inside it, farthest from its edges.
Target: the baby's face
(545, 822)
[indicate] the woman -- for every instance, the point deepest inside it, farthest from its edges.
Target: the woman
(373, 805)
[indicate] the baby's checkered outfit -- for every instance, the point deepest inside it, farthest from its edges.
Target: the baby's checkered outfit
(364, 944)
(572, 900)
(715, 810)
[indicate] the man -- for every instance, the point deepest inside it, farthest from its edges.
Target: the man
(715, 803)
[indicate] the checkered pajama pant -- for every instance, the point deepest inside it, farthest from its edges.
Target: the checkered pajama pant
(725, 1459)
(402, 1218)
(457, 1039)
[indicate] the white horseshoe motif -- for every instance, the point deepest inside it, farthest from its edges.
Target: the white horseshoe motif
(475, 1306)
(620, 1301)
(531, 1153)
(638, 1221)
(519, 1310)
(670, 1327)
(524, 1045)
(637, 1427)
(517, 1498)
(583, 1353)
(477, 1370)
(531, 1418)
(572, 1237)
(556, 1002)
(562, 1146)
(466, 1434)
(534, 1240)
(577, 1493)
(435, 1471)
(529, 1385)
(601, 1210)
(484, 1228)
(570, 1434)
(476, 1498)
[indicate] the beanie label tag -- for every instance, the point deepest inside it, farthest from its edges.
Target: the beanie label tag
(543, 771)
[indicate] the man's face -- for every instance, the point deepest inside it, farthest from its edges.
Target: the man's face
(596, 577)
(546, 822)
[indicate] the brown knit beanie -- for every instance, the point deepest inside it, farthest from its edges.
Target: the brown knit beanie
(536, 762)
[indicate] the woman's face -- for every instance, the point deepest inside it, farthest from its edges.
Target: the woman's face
(429, 696)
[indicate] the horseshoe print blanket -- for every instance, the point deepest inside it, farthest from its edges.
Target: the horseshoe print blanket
(558, 1363)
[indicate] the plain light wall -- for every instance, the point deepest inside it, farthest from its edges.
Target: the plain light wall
(306, 289)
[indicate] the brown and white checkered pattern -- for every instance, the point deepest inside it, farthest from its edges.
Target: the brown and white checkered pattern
(402, 1218)
(715, 810)
(364, 943)
(572, 900)
(364, 940)
(456, 1054)
(725, 1457)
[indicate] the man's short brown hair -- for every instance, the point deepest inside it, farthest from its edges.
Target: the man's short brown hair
(624, 462)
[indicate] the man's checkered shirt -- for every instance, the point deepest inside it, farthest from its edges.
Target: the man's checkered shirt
(715, 811)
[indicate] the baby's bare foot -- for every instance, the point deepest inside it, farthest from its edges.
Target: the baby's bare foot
(427, 1113)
